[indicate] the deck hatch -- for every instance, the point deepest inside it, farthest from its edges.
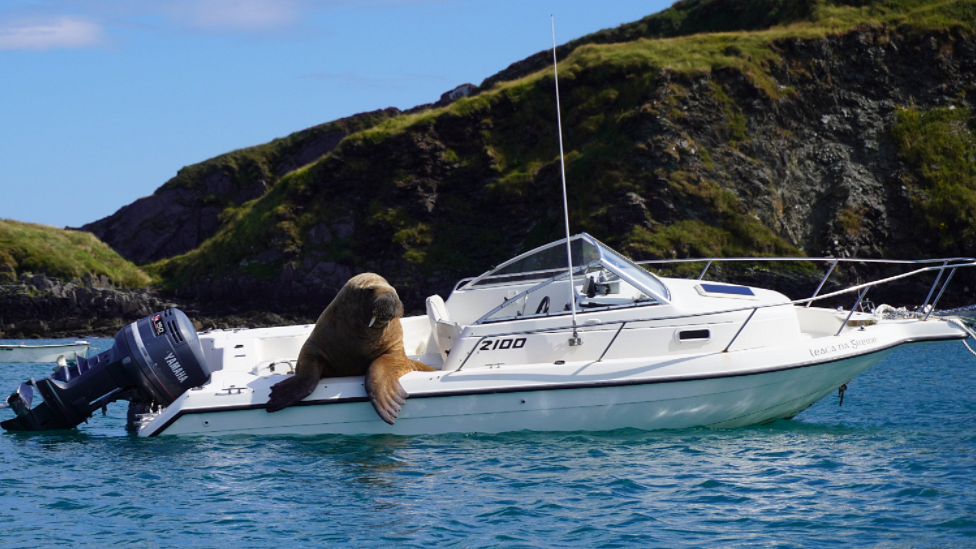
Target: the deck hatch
(724, 290)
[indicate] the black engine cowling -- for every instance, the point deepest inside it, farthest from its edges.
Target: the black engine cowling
(154, 361)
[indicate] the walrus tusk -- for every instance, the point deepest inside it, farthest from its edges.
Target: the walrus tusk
(371, 321)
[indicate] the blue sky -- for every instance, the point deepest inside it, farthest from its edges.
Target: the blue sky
(102, 101)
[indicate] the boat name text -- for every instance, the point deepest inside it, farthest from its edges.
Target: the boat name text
(845, 346)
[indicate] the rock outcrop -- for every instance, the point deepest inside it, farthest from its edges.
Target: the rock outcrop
(189, 208)
(41, 306)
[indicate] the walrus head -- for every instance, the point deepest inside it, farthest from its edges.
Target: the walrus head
(380, 302)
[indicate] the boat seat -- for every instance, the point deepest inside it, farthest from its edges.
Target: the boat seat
(444, 331)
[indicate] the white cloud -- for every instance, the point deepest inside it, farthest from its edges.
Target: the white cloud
(52, 24)
(62, 32)
(233, 15)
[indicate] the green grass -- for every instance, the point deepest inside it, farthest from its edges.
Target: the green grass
(27, 247)
(247, 165)
(250, 167)
(764, 19)
(264, 221)
(940, 147)
(737, 121)
(713, 42)
(730, 230)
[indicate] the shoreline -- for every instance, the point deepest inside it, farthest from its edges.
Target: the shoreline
(40, 307)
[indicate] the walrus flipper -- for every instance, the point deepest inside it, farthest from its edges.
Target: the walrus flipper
(383, 384)
(290, 391)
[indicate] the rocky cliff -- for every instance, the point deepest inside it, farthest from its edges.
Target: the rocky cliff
(36, 306)
(189, 208)
(780, 147)
(83, 288)
(42, 306)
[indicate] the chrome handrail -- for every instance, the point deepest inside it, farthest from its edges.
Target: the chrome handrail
(823, 281)
(834, 262)
(938, 297)
(860, 296)
(934, 284)
(800, 259)
(707, 265)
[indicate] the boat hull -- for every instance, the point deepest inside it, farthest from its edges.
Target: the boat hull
(40, 353)
(719, 401)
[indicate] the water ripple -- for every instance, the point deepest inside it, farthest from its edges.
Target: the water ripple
(894, 467)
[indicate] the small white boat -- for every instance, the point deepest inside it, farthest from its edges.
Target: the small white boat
(43, 353)
(642, 352)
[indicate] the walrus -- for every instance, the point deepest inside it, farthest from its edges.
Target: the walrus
(359, 333)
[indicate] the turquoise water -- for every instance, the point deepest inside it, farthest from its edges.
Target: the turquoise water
(894, 467)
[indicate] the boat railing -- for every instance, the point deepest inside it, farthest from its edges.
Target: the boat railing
(950, 264)
(947, 263)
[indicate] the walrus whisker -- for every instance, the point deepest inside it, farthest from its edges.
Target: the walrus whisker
(371, 321)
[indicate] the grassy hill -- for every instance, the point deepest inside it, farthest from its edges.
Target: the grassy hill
(679, 130)
(190, 207)
(28, 247)
(738, 20)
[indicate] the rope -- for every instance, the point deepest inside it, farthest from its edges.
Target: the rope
(961, 324)
(970, 349)
(957, 311)
(887, 312)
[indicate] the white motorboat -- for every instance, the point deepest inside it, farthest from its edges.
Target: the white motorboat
(42, 353)
(511, 352)
(645, 352)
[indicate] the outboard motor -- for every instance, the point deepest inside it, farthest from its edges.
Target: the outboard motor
(154, 361)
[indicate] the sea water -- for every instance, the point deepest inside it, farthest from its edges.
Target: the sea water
(895, 466)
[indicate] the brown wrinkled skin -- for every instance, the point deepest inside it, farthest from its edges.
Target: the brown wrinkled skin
(343, 344)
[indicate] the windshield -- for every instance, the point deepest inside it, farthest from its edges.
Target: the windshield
(602, 279)
(540, 263)
(635, 274)
(595, 288)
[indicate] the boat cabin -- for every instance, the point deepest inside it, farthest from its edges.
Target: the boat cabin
(521, 312)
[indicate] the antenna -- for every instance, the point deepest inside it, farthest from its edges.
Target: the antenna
(576, 339)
